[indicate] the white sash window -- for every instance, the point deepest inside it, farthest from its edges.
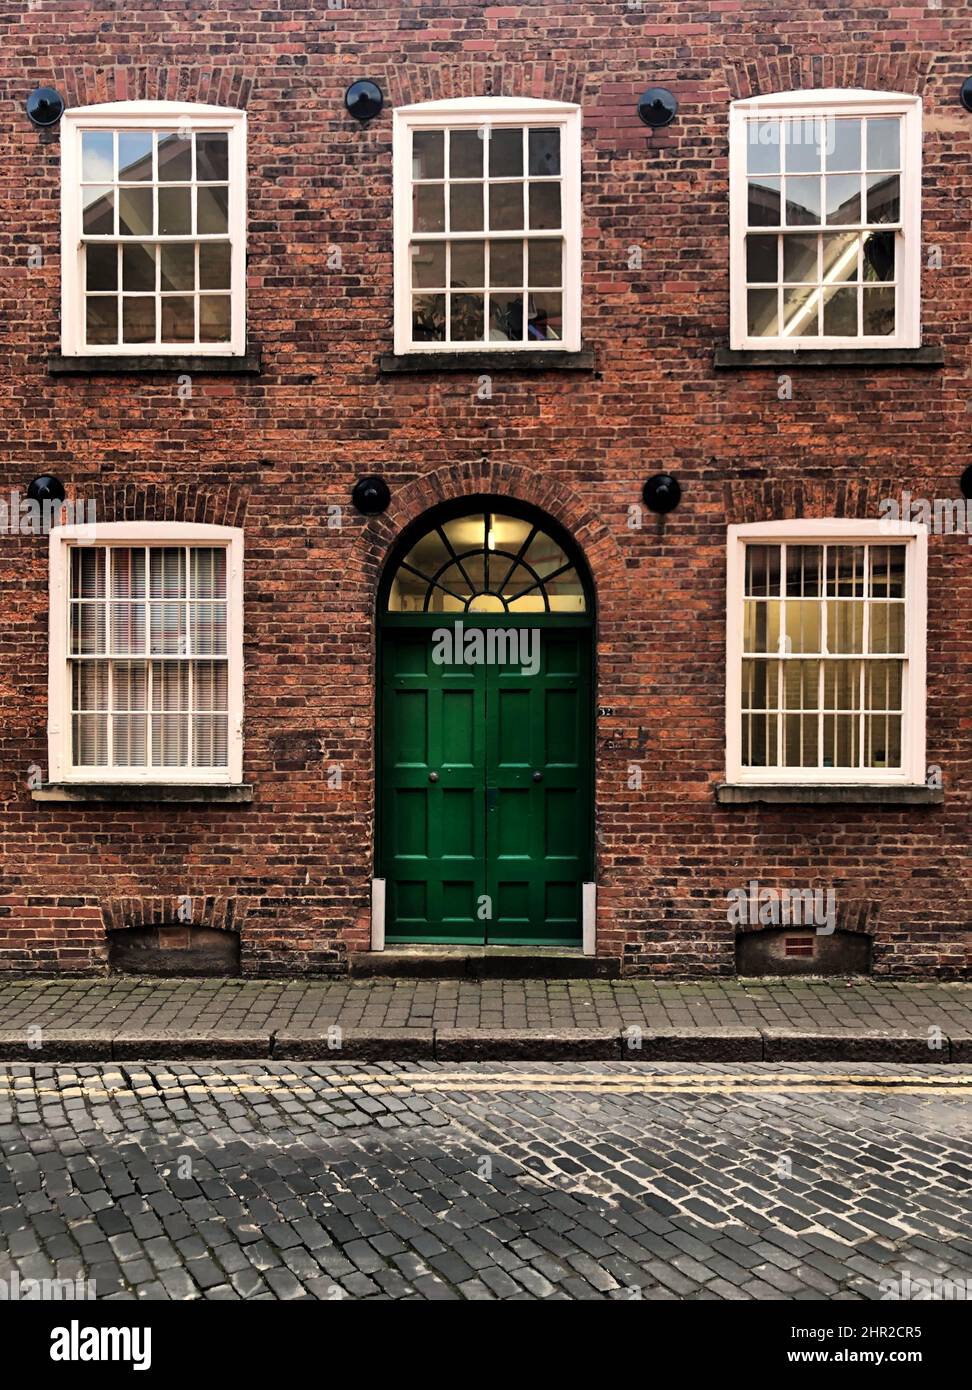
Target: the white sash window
(825, 676)
(153, 229)
(487, 225)
(825, 220)
(146, 653)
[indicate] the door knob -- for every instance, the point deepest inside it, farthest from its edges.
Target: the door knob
(433, 777)
(538, 777)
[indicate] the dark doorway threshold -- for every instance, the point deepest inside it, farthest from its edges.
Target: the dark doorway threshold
(483, 963)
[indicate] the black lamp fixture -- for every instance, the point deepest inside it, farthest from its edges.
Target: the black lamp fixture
(657, 107)
(46, 488)
(661, 493)
(364, 100)
(965, 482)
(370, 495)
(966, 94)
(45, 106)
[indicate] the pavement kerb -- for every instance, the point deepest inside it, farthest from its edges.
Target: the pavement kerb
(865, 1045)
(353, 1044)
(629, 1044)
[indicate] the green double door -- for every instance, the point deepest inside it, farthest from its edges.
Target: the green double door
(485, 833)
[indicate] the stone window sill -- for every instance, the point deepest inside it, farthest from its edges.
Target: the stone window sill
(829, 357)
(131, 793)
(246, 364)
(825, 794)
(395, 364)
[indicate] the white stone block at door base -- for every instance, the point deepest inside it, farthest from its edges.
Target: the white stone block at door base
(589, 917)
(377, 914)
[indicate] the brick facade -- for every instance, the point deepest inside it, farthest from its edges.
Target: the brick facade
(291, 870)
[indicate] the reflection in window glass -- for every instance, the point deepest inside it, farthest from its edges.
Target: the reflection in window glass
(818, 174)
(165, 184)
(134, 154)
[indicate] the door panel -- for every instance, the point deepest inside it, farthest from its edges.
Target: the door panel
(433, 720)
(538, 774)
(498, 847)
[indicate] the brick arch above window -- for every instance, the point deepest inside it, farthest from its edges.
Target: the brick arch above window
(163, 502)
(408, 83)
(221, 912)
(89, 85)
(780, 499)
(893, 72)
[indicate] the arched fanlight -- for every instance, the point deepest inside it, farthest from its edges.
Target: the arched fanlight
(486, 561)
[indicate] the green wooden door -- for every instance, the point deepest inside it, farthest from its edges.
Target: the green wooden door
(537, 794)
(485, 829)
(433, 828)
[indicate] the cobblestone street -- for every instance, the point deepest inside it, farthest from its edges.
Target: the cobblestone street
(522, 1181)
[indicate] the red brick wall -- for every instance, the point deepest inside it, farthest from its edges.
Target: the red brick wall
(277, 450)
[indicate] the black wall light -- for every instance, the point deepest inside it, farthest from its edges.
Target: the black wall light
(966, 94)
(965, 482)
(657, 107)
(45, 106)
(46, 488)
(364, 100)
(370, 495)
(661, 493)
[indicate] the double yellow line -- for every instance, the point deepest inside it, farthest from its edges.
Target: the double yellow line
(477, 1082)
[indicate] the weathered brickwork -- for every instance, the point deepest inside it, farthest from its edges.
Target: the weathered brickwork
(273, 452)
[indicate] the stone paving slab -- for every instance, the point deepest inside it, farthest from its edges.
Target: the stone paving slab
(72, 1019)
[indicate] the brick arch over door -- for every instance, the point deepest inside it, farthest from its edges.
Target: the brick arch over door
(551, 495)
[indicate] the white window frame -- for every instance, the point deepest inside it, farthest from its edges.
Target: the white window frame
(845, 532)
(65, 538)
(830, 102)
(494, 112)
(135, 115)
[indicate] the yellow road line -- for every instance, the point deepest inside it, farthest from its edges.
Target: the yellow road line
(649, 1089)
(658, 1079)
(194, 1082)
(363, 1080)
(477, 1083)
